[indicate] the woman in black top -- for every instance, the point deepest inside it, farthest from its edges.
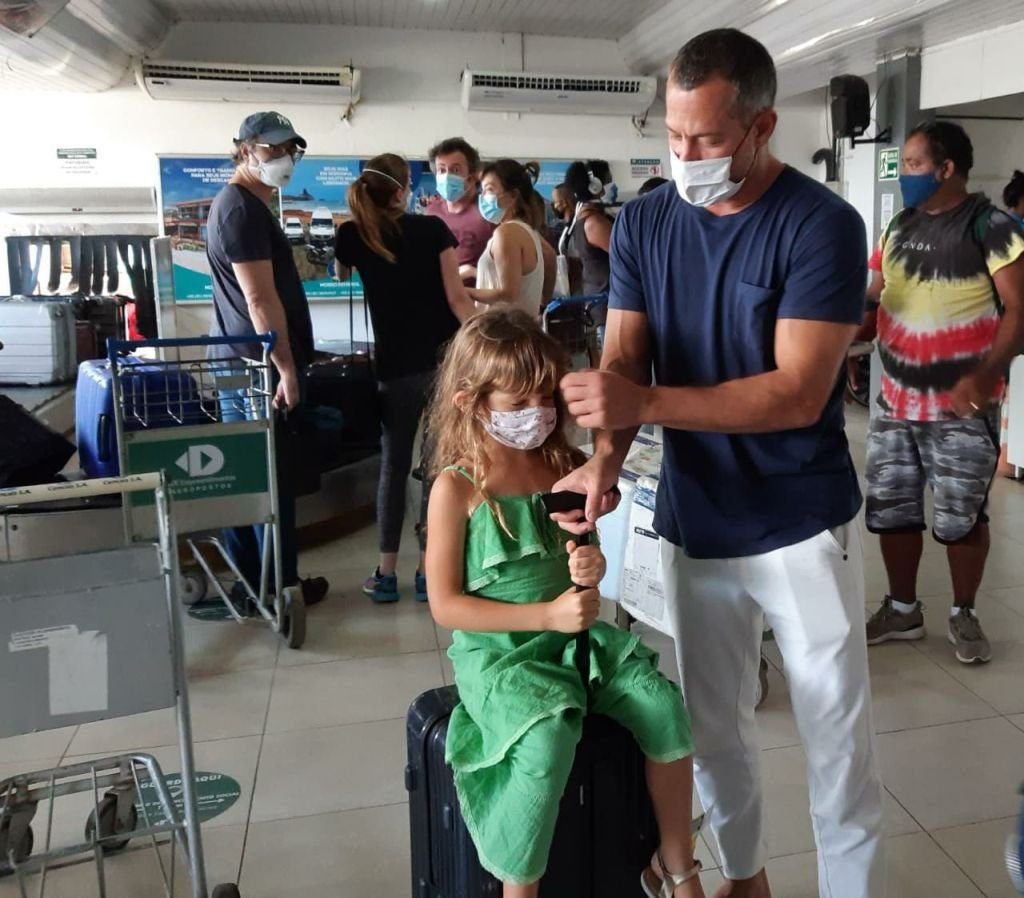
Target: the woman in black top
(589, 232)
(411, 281)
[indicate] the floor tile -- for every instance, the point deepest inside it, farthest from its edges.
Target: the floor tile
(954, 774)
(978, 850)
(46, 743)
(334, 769)
(916, 868)
(217, 647)
(361, 629)
(358, 853)
(909, 690)
(340, 692)
(223, 707)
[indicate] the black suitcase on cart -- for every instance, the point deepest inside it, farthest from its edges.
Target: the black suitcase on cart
(606, 830)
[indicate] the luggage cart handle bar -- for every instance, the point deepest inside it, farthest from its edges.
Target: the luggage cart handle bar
(104, 486)
(115, 347)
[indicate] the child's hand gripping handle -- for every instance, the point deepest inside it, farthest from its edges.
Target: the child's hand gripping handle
(568, 501)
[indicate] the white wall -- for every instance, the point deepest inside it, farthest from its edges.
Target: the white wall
(998, 150)
(411, 99)
(411, 93)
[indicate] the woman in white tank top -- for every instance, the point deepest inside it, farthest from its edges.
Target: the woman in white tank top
(517, 266)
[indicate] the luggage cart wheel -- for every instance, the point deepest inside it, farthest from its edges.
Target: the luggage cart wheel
(292, 617)
(193, 586)
(226, 890)
(21, 851)
(109, 825)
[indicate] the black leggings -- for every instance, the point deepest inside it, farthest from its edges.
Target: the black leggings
(402, 402)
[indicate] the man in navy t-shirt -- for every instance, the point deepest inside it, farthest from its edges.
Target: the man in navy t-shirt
(741, 284)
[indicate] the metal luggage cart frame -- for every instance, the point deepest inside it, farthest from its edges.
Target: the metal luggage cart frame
(122, 600)
(578, 325)
(220, 473)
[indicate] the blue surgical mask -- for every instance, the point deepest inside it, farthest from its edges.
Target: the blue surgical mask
(918, 189)
(611, 193)
(451, 187)
(490, 208)
(1017, 218)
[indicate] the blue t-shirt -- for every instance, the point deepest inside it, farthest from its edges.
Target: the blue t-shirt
(712, 288)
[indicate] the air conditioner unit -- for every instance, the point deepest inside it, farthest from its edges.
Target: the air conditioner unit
(167, 80)
(560, 94)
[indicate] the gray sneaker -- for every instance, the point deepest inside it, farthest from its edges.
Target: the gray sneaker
(888, 623)
(966, 636)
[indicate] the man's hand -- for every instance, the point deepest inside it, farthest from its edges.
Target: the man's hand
(287, 395)
(603, 400)
(971, 394)
(598, 480)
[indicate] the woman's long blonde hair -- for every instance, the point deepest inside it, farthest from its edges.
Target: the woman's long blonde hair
(372, 201)
(502, 349)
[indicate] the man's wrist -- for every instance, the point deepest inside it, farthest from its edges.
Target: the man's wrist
(648, 406)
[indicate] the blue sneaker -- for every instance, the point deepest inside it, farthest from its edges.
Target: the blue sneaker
(421, 587)
(382, 588)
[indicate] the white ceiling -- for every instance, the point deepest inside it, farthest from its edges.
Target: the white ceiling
(608, 19)
(812, 40)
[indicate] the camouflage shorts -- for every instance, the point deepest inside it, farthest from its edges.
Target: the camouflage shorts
(956, 458)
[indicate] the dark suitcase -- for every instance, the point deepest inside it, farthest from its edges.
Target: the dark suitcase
(97, 319)
(347, 383)
(154, 396)
(606, 830)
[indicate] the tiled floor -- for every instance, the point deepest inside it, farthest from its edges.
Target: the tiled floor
(316, 740)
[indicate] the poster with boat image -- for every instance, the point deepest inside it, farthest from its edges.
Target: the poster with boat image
(312, 205)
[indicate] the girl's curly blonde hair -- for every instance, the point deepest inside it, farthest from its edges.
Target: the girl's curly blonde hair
(502, 349)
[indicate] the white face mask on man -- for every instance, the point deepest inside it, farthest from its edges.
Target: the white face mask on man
(275, 172)
(704, 182)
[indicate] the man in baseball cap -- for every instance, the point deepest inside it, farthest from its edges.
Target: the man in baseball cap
(269, 128)
(257, 288)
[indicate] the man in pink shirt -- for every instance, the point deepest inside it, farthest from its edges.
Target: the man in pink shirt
(456, 167)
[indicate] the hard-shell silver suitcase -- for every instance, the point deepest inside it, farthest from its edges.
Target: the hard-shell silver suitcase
(38, 338)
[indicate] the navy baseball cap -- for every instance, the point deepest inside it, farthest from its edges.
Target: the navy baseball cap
(269, 127)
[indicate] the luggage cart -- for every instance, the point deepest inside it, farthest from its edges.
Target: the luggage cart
(68, 624)
(577, 323)
(220, 473)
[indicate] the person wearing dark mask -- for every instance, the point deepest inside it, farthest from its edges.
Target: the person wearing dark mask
(456, 167)
(256, 289)
(588, 235)
(950, 261)
(562, 206)
(1013, 197)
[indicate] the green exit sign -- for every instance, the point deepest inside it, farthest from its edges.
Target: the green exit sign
(889, 164)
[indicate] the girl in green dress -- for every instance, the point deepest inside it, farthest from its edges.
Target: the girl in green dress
(501, 576)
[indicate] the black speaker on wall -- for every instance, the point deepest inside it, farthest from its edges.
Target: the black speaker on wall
(851, 105)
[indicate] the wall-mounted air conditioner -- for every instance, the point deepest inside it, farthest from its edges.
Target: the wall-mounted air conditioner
(167, 80)
(561, 94)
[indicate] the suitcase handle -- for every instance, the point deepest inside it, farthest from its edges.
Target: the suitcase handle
(103, 427)
(570, 501)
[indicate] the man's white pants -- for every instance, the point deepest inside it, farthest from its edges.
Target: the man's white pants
(812, 596)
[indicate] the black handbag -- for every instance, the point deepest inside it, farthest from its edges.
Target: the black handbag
(346, 380)
(29, 451)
